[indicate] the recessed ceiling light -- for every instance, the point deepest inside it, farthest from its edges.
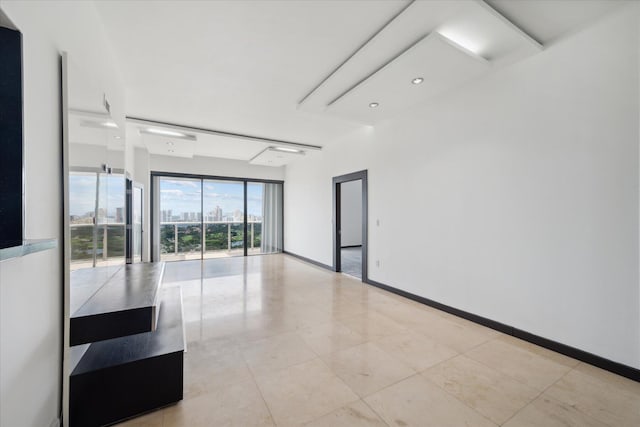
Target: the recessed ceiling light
(373, 105)
(169, 143)
(99, 124)
(171, 151)
(167, 132)
(287, 150)
(117, 137)
(417, 80)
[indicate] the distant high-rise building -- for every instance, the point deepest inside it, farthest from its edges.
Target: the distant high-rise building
(217, 214)
(119, 215)
(166, 216)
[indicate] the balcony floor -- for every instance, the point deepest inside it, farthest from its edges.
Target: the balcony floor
(188, 256)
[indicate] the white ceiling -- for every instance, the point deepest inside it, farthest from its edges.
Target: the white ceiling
(549, 20)
(244, 66)
(238, 66)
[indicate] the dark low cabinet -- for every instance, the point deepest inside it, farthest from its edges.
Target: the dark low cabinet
(110, 395)
(125, 305)
(120, 378)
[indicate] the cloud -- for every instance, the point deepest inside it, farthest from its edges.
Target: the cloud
(83, 181)
(181, 183)
(172, 192)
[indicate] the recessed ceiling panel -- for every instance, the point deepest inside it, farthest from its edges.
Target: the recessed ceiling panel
(167, 146)
(274, 157)
(416, 20)
(93, 129)
(227, 147)
(474, 25)
(182, 142)
(439, 62)
(484, 31)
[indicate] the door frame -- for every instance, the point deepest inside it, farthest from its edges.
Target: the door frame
(131, 185)
(336, 181)
(128, 220)
(142, 231)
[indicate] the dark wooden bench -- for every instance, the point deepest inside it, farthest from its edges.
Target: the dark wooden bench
(118, 378)
(125, 304)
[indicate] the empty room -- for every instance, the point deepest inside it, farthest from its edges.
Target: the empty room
(320, 213)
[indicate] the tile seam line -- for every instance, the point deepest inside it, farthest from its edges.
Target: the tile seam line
(542, 393)
(510, 376)
(458, 399)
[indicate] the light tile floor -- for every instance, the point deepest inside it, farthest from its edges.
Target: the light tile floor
(273, 341)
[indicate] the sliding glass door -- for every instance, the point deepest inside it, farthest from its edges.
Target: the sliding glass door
(205, 217)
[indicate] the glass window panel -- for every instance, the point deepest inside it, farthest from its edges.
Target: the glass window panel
(82, 209)
(180, 219)
(114, 221)
(223, 205)
(137, 224)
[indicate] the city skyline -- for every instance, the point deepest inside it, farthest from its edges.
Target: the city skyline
(223, 201)
(216, 215)
(183, 196)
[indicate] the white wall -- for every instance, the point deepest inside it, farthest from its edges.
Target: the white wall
(31, 288)
(351, 213)
(308, 194)
(515, 197)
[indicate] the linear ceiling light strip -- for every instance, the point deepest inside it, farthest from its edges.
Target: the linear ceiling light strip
(149, 122)
(90, 113)
(356, 51)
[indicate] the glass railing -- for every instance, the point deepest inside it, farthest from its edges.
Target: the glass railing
(183, 240)
(109, 247)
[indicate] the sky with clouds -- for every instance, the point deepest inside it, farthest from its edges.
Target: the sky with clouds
(179, 195)
(183, 195)
(82, 193)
